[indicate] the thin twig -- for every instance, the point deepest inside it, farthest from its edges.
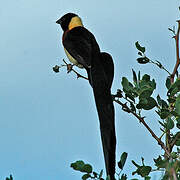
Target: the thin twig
(141, 119)
(78, 75)
(176, 37)
(161, 67)
(162, 135)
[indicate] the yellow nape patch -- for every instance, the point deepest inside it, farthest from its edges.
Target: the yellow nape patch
(75, 21)
(71, 59)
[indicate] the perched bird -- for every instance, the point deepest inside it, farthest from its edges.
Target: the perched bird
(82, 50)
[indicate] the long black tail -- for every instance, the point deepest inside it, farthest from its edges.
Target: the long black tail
(101, 75)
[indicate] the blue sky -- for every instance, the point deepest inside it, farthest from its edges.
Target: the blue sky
(49, 120)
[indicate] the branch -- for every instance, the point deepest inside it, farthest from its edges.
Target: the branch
(176, 37)
(141, 119)
(70, 68)
(174, 174)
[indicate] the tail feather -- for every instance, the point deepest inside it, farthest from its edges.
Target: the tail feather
(101, 75)
(105, 110)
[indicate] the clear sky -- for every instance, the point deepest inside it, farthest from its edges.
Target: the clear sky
(49, 120)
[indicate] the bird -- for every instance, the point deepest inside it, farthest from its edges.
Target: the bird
(82, 50)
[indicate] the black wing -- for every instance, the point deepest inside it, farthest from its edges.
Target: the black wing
(78, 42)
(108, 65)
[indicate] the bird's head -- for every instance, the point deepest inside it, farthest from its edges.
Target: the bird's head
(69, 21)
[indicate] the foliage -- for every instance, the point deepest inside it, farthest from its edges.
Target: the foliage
(10, 178)
(88, 172)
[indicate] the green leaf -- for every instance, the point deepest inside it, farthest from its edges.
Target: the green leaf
(125, 84)
(177, 137)
(142, 60)
(159, 100)
(78, 165)
(82, 167)
(178, 122)
(174, 88)
(146, 78)
(170, 123)
(142, 159)
(151, 103)
(147, 103)
(136, 164)
(177, 105)
(140, 48)
(134, 77)
(174, 155)
(143, 85)
(160, 163)
(122, 160)
(177, 142)
(87, 168)
(146, 93)
(86, 176)
(171, 99)
(143, 101)
(11, 178)
(168, 82)
(139, 106)
(164, 104)
(143, 171)
(101, 173)
(153, 84)
(164, 113)
(174, 91)
(147, 178)
(131, 85)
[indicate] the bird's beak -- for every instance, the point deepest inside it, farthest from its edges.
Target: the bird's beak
(58, 21)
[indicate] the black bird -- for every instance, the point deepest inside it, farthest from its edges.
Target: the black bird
(82, 50)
